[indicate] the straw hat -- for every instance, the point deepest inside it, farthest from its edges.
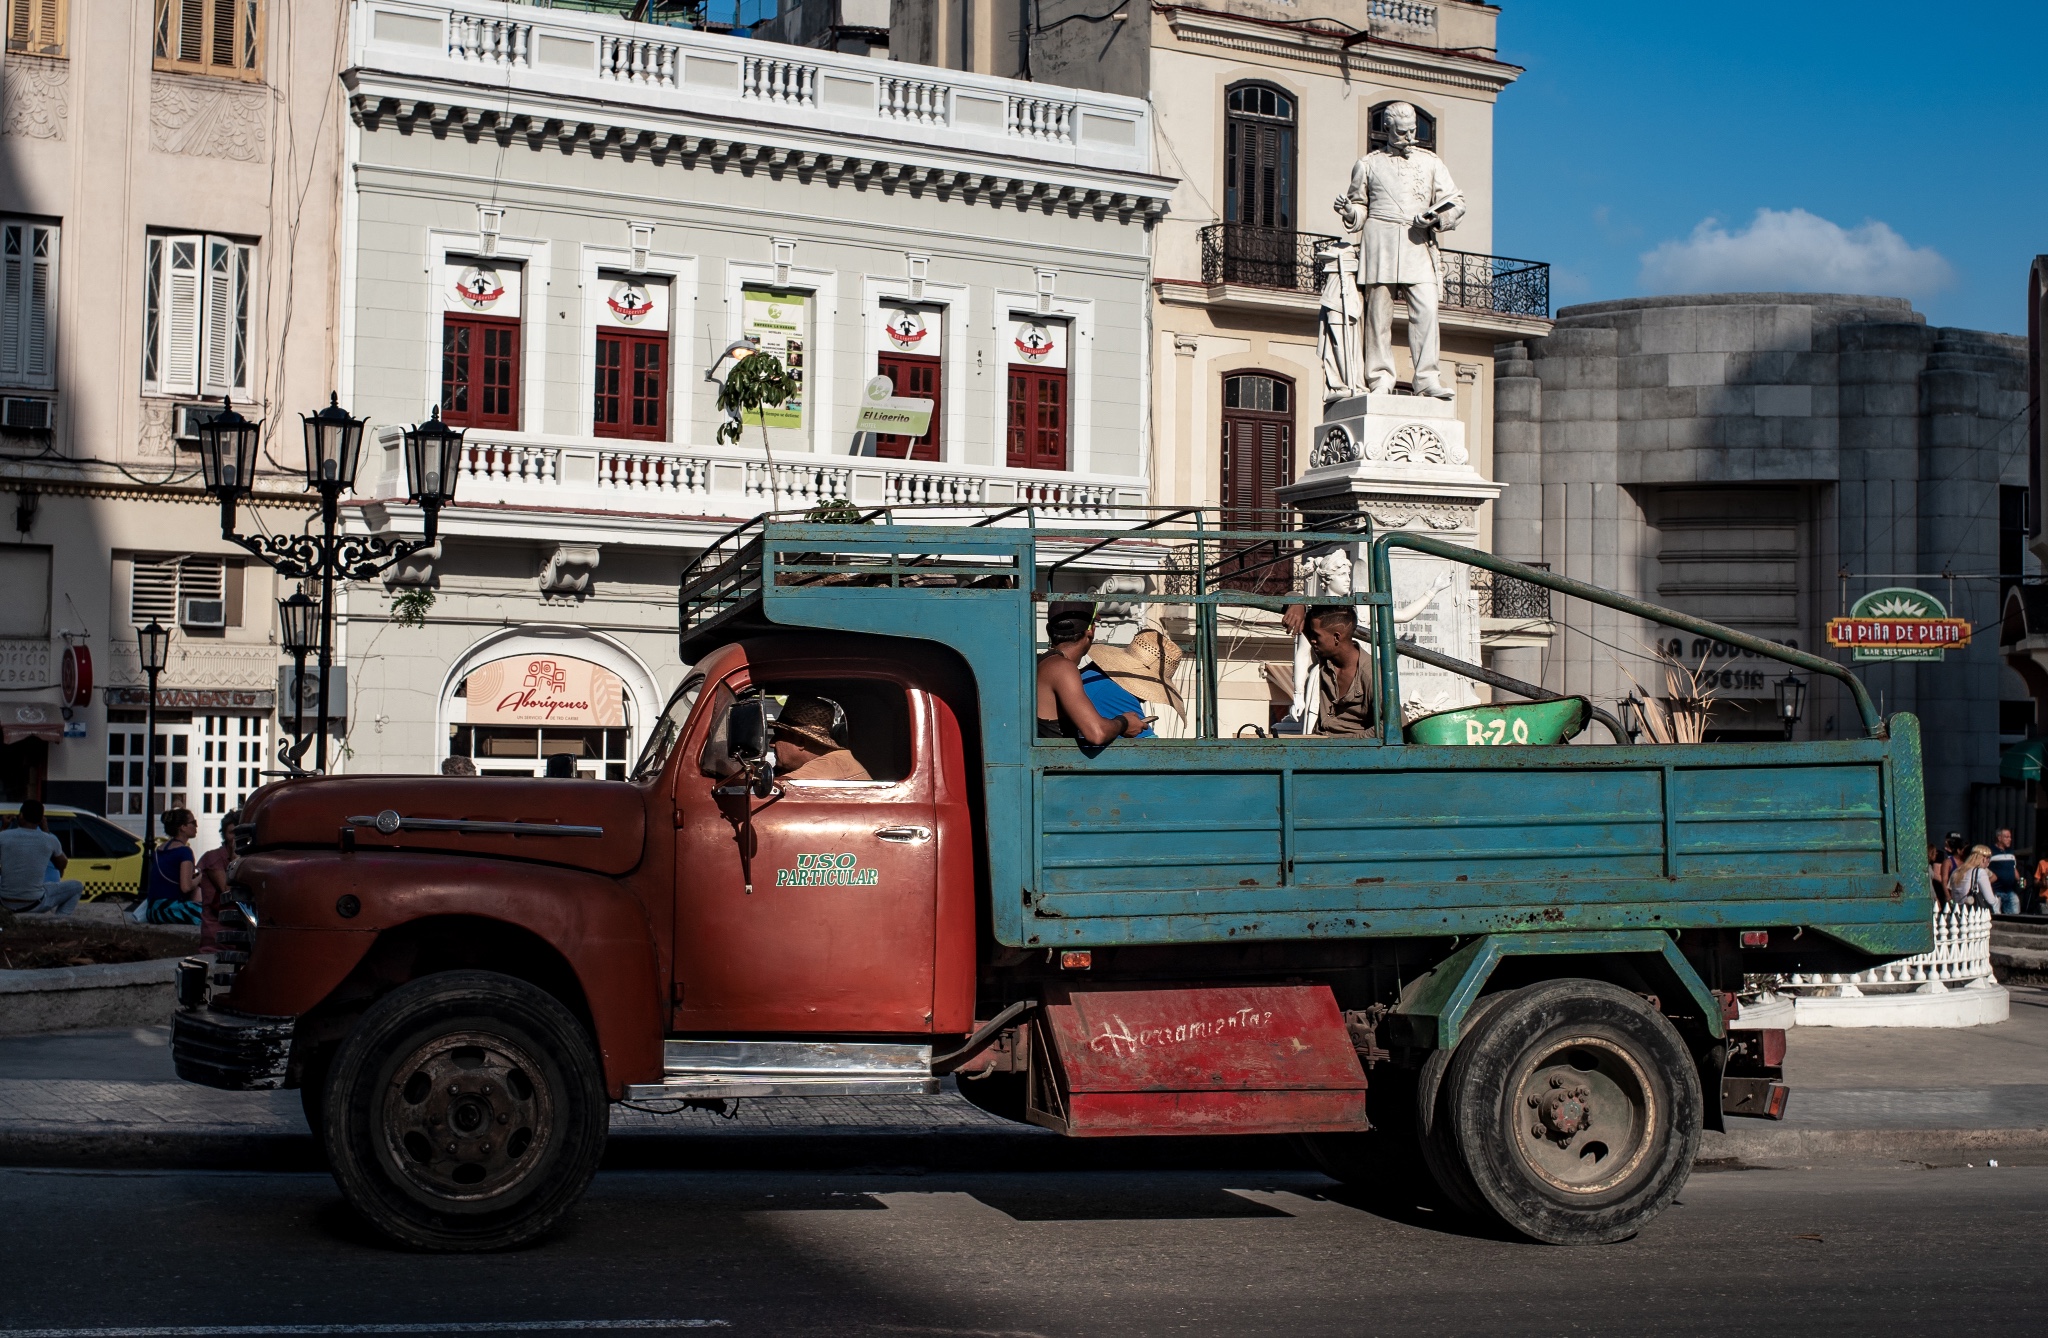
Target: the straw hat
(812, 722)
(1145, 668)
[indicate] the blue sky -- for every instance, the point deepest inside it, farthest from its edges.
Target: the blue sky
(1898, 148)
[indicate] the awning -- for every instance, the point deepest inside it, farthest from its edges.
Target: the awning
(2022, 761)
(24, 720)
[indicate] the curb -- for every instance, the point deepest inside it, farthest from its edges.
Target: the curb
(75, 998)
(1020, 1149)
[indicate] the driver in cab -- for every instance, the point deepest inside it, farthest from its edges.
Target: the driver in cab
(807, 742)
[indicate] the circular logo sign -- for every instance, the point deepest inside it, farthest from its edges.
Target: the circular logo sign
(906, 329)
(878, 388)
(479, 287)
(77, 676)
(1034, 342)
(630, 302)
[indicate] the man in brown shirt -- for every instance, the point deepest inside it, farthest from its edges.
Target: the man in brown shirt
(1343, 674)
(806, 748)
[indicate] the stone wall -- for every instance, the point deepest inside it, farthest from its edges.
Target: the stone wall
(1869, 441)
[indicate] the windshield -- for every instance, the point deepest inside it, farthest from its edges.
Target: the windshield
(667, 730)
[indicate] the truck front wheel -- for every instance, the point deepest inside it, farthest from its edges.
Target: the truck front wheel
(465, 1111)
(1576, 1108)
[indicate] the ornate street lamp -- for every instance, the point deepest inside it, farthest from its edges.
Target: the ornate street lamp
(227, 458)
(295, 620)
(153, 645)
(334, 445)
(1791, 701)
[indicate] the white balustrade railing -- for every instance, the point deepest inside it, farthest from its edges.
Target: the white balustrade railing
(695, 481)
(918, 100)
(1961, 955)
(541, 52)
(1041, 118)
(1403, 13)
(771, 79)
(490, 41)
(635, 60)
(490, 462)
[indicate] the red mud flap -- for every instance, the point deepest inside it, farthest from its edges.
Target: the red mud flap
(1257, 1059)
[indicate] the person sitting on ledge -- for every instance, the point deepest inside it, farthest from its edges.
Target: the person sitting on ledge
(807, 747)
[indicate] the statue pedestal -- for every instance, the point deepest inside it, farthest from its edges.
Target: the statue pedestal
(1402, 460)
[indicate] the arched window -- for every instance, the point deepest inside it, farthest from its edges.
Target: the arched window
(1258, 157)
(1258, 459)
(1425, 126)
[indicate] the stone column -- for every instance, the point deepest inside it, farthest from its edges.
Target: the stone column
(1518, 467)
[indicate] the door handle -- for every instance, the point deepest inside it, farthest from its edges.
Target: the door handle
(905, 835)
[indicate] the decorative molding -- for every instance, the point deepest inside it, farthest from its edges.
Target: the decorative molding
(1416, 443)
(569, 569)
(207, 118)
(1334, 446)
(35, 101)
(1400, 515)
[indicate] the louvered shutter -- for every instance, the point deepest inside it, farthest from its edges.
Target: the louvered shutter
(28, 255)
(13, 287)
(36, 27)
(39, 358)
(217, 340)
(180, 285)
(153, 591)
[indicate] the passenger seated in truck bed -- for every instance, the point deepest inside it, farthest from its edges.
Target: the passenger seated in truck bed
(1339, 701)
(1065, 711)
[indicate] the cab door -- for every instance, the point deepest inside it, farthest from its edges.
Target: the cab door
(814, 910)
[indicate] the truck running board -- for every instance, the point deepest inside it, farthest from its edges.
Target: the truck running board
(701, 1070)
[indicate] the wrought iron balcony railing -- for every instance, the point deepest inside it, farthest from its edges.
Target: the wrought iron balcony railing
(1511, 597)
(1285, 259)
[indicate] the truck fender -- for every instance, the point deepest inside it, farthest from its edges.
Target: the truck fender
(597, 927)
(1432, 1010)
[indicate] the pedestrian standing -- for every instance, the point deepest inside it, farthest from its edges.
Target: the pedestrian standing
(2005, 872)
(1937, 874)
(1970, 884)
(1952, 853)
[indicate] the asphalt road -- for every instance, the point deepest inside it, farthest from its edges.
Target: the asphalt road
(1167, 1252)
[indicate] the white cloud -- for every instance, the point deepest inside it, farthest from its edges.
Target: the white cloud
(1792, 251)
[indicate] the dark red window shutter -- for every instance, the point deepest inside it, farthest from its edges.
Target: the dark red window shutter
(631, 399)
(1038, 418)
(1258, 458)
(480, 371)
(917, 378)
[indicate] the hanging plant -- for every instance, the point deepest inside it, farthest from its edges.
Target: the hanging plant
(758, 381)
(410, 606)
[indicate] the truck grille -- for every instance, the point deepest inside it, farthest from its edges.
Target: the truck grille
(237, 936)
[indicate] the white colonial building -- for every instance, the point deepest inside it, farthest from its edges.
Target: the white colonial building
(554, 225)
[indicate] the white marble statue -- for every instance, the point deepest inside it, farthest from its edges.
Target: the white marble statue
(1400, 198)
(1337, 334)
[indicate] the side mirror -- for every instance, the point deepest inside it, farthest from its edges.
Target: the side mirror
(750, 730)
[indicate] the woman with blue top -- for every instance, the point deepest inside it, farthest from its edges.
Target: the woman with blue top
(170, 892)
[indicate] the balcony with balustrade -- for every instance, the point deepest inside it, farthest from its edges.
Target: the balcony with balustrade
(1513, 613)
(592, 80)
(507, 479)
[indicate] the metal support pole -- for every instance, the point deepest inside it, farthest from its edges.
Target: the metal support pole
(330, 513)
(298, 707)
(148, 787)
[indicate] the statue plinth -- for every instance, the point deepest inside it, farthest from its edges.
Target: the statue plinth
(1402, 460)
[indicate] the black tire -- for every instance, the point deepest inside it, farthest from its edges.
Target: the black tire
(1433, 1122)
(421, 1083)
(1576, 1108)
(1383, 1162)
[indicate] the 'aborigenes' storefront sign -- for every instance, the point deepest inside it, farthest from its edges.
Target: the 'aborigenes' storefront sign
(545, 690)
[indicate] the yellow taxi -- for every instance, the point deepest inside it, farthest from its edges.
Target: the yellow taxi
(103, 857)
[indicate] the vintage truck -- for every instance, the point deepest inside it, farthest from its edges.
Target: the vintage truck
(1515, 965)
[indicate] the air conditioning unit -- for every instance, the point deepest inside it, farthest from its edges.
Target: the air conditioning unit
(197, 612)
(24, 413)
(186, 418)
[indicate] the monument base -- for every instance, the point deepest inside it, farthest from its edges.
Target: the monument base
(1403, 461)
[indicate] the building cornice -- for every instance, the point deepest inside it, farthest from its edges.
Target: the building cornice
(1309, 44)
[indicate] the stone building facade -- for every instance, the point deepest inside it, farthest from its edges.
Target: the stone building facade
(1764, 460)
(168, 215)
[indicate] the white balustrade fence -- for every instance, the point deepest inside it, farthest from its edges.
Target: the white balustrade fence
(490, 41)
(1041, 118)
(918, 100)
(635, 60)
(770, 79)
(1961, 956)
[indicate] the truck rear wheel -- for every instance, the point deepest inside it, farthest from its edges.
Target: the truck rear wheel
(1576, 1108)
(466, 1111)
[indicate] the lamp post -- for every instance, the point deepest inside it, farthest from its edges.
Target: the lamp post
(295, 621)
(334, 443)
(1791, 701)
(153, 645)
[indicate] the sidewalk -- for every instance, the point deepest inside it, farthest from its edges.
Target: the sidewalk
(111, 1099)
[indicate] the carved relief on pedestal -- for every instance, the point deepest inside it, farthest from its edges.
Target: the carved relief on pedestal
(207, 118)
(1416, 443)
(35, 98)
